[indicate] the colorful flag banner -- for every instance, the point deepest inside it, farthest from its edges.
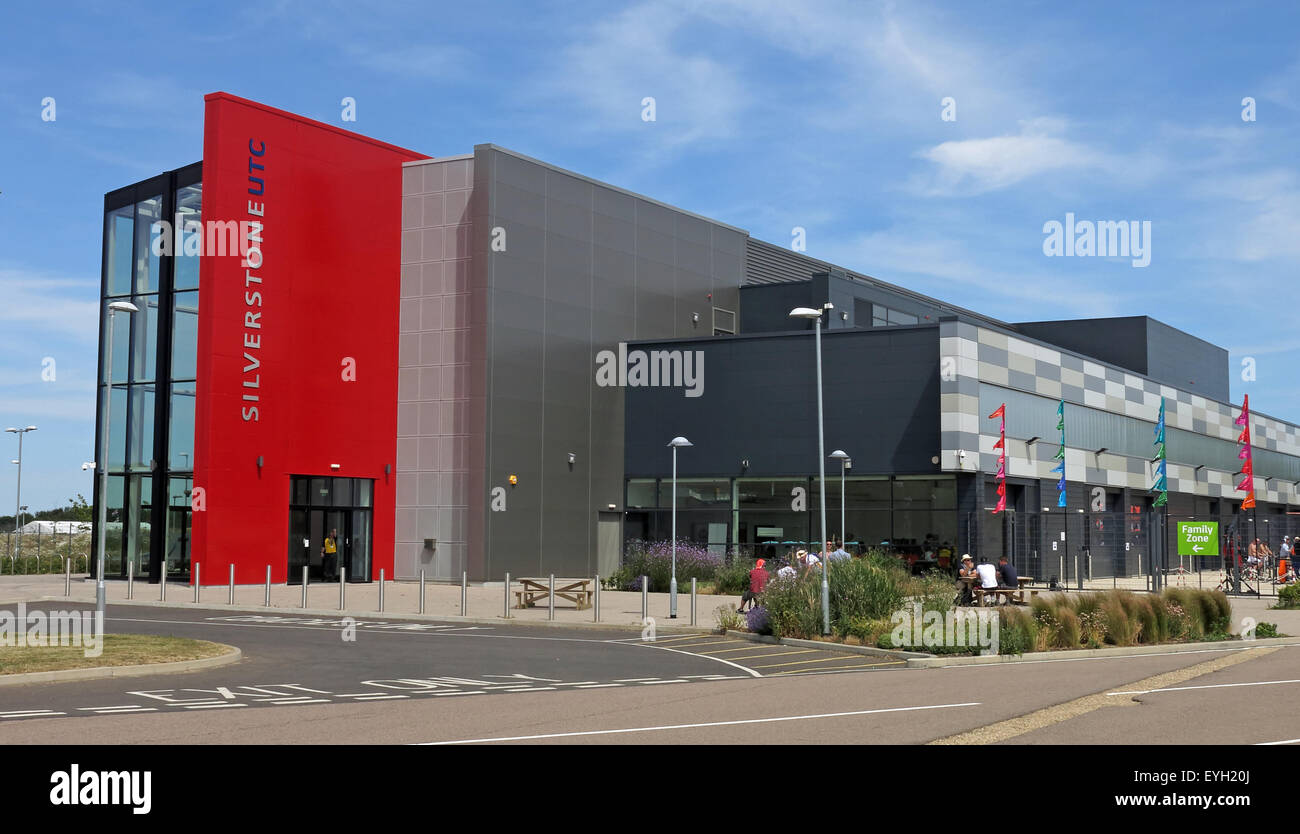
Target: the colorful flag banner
(1161, 485)
(1001, 445)
(1060, 454)
(1247, 484)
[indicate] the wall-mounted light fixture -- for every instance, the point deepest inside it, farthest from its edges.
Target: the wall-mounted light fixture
(1102, 450)
(1198, 468)
(335, 467)
(260, 461)
(1031, 441)
(572, 459)
(844, 315)
(695, 318)
(613, 506)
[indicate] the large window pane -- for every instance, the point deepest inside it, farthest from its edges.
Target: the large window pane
(117, 428)
(147, 213)
(766, 493)
(142, 416)
(144, 338)
(641, 492)
(696, 493)
(118, 236)
(121, 336)
(186, 265)
(185, 334)
(180, 454)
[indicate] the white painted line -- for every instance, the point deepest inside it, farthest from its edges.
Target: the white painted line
(296, 703)
(598, 685)
(751, 672)
(1272, 743)
(124, 711)
(576, 683)
(653, 683)
(22, 712)
(1205, 686)
(531, 689)
(33, 714)
(697, 726)
(120, 706)
(1109, 657)
(382, 697)
(215, 706)
(634, 680)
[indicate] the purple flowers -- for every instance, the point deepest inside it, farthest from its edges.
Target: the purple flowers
(757, 621)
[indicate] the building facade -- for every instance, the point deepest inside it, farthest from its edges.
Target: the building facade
(474, 364)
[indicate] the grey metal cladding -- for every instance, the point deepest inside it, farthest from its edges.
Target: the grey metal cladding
(1047, 370)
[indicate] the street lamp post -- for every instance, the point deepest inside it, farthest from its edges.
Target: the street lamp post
(816, 317)
(18, 499)
(101, 469)
(676, 443)
(843, 458)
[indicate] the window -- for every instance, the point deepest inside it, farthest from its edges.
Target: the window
(185, 334)
(882, 316)
(724, 322)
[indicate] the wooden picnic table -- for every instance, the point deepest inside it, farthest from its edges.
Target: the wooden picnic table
(535, 589)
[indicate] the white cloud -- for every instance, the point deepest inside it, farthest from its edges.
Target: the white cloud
(975, 166)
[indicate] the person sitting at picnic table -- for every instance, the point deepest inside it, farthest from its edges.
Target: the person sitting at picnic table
(988, 575)
(965, 572)
(757, 582)
(1007, 576)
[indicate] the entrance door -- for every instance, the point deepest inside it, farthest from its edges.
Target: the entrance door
(319, 506)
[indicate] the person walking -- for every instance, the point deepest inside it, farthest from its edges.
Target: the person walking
(757, 582)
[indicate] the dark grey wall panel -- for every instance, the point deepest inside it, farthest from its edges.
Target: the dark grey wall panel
(1118, 341)
(759, 403)
(1184, 361)
(586, 265)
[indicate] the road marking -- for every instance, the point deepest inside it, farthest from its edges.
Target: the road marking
(697, 726)
(771, 654)
(381, 697)
(42, 713)
(532, 689)
(705, 656)
(1107, 657)
(1205, 686)
(746, 648)
(599, 685)
(1060, 713)
(296, 703)
(677, 680)
(1272, 743)
(833, 659)
(576, 683)
(214, 706)
(445, 694)
(833, 670)
(634, 680)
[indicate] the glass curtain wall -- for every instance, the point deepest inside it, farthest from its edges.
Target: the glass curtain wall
(150, 380)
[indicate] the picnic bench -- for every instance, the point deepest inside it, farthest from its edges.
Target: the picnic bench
(538, 589)
(1017, 595)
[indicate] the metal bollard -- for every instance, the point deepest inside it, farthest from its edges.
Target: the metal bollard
(130, 579)
(595, 601)
(550, 600)
(464, 593)
(421, 590)
(162, 587)
(266, 600)
(692, 600)
(198, 573)
(67, 577)
(507, 598)
(645, 598)
(343, 587)
(304, 586)
(230, 597)
(381, 590)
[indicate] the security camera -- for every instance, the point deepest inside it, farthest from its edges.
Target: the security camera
(572, 458)
(961, 454)
(87, 465)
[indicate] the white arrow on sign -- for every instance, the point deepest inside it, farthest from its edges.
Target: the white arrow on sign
(1196, 548)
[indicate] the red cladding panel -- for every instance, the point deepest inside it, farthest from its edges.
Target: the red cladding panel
(297, 343)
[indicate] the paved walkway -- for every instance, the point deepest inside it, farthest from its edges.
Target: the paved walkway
(441, 600)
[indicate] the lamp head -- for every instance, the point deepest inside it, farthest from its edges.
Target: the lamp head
(679, 442)
(123, 307)
(805, 313)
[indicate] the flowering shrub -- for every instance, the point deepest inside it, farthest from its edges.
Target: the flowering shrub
(654, 561)
(757, 621)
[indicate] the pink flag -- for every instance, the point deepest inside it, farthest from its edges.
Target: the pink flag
(1246, 485)
(1002, 472)
(1244, 454)
(1245, 411)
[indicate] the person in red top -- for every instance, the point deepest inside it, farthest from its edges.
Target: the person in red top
(757, 582)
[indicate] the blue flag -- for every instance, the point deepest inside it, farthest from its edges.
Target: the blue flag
(1060, 467)
(1060, 500)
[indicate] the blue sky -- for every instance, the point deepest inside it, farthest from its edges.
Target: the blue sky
(769, 115)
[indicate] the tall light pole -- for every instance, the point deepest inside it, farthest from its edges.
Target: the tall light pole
(103, 463)
(816, 317)
(843, 458)
(18, 499)
(676, 443)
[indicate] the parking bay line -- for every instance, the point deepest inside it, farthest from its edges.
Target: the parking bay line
(751, 672)
(772, 654)
(822, 670)
(662, 727)
(832, 659)
(1205, 686)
